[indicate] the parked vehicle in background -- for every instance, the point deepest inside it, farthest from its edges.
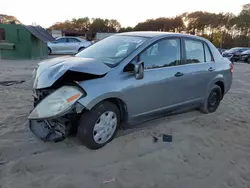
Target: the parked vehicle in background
(67, 45)
(221, 50)
(125, 79)
(234, 53)
(245, 56)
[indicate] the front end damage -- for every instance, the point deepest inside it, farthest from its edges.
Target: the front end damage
(56, 94)
(57, 127)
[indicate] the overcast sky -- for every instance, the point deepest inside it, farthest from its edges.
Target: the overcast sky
(127, 12)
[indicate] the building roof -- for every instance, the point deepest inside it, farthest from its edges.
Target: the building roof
(40, 33)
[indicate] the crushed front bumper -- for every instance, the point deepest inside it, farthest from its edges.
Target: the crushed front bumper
(43, 130)
(55, 129)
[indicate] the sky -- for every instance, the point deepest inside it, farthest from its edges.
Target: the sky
(127, 12)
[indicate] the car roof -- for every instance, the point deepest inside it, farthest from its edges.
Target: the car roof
(153, 34)
(68, 37)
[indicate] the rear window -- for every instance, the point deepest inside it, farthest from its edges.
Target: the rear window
(208, 54)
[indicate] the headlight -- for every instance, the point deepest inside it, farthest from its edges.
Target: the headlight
(57, 103)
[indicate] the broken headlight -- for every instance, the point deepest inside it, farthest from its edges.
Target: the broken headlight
(57, 103)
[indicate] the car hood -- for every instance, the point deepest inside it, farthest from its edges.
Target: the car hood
(49, 71)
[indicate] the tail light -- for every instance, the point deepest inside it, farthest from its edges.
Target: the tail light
(231, 68)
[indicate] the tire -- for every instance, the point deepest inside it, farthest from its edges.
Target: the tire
(95, 119)
(80, 49)
(212, 101)
(49, 51)
(248, 60)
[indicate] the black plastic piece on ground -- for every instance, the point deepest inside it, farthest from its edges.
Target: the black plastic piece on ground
(43, 131)
(167, 138)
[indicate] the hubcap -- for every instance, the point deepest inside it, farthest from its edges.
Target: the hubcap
(105, 127)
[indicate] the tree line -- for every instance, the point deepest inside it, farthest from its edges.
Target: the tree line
(225, 30)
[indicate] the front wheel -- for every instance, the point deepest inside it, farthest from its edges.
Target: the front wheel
(212, 102)
(98, 127)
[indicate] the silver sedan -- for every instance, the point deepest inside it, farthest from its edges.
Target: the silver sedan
(125, 79)
(67, 45)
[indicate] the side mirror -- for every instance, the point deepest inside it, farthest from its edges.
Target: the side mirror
(139, 70)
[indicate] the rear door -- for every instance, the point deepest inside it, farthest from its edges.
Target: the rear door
(198, 70)
(73, 45)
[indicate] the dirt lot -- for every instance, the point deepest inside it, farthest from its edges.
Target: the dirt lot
(207, 150)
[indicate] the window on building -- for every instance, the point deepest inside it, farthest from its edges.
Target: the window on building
(2, 34)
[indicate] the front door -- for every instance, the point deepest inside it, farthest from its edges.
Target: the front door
(161, 87)
(59, 46)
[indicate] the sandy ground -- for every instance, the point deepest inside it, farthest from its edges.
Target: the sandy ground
(207, 150)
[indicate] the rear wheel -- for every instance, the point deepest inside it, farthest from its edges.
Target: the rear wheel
(248, 60)
(213, 100)
(98, 127)
(80, 49)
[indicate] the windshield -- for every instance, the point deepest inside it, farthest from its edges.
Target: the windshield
(246, 52)
(233, 50)
(112, 49)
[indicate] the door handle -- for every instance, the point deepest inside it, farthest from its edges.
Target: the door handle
(179, 74)
(211, 69)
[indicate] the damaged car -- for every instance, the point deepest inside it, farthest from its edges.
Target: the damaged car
(125, 79)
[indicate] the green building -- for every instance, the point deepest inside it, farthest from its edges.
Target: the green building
(23, 42)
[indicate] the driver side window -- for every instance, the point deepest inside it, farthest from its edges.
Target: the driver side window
(163, 53)
(61, 40)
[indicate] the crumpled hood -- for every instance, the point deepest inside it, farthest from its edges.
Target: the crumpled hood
(49, 71)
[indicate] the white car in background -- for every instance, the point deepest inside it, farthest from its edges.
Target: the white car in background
(67, 45)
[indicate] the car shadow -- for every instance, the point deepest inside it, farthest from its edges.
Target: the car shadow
(168, 118)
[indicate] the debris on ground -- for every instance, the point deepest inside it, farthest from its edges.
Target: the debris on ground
(2, 162)
(167, 138)
(9, 83)
(155, 139)
(108, 181)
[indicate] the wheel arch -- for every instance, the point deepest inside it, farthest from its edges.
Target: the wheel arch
(222, 87)
(114, 98)
(220, 82)
(81, 48)
(50, 49)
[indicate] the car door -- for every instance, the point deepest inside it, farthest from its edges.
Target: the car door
(161, 87)
(73, 45)
(198, 69)
(59, 46)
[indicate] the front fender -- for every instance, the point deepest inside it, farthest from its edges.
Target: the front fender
(90, 101)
